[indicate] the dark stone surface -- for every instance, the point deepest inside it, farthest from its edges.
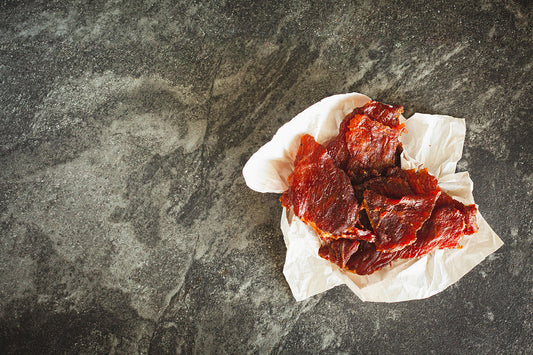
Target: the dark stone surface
(126, 225)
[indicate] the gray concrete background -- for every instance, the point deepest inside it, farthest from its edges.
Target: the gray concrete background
(126, 225)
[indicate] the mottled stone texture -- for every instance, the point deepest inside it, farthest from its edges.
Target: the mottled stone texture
(126, 225)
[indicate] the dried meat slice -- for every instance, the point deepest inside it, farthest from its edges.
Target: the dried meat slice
(372, 147)
(388, 186)
(337, 148)
(420, 182)
(320, 193)
(397, 183)
(468, 211)
(443, 230)
(382, 113)
(367, 259)
(373, 110)
(470, 214)
(396, 221)
(338, 251)
(423, 183)
(354, 234)
(361, 234)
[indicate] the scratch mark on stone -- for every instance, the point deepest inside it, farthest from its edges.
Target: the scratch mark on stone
(170, 298)
(212, 85)
(427, 71)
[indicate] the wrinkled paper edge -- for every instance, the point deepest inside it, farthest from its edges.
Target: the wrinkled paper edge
(434, 142)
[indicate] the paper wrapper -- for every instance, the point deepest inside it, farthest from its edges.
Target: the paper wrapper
(434, 142)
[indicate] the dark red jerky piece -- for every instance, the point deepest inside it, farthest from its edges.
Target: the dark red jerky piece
(359, 173)
(337, 147)
(354, 233)
(372, 147)
(396, 221)
(421, 182)
(398, 183)
(361, 234)
(338, 251)
(443, 230)
(367, 259)
(374, 110)
(447, 226)
(469, 212)
(320, 193)
(364, 222)
(388, 186)
(382, 113)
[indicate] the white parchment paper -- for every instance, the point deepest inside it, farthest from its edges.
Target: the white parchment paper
(434, 142)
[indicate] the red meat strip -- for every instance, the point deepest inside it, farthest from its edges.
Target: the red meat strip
(373, 110)
(319, 192)
(388, 186)
(382, 113)
(337, 148)
(421, 183)
(442, 230)
(396, 221)
(424, 183)
(468, 211)
(397, 183)
(470, 214)
(354, 234)
(338, 251)
(372, 147)
(367, 259)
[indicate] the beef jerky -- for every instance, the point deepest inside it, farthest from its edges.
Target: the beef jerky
(337, 149)
(396, 183)
(388, 186)
(353, 234)
(338, 251)
(443, 230)
(382, 113)
(367, 259)
(372, 147)
(373, 110)
(468, 211)
(320, 193)
(396, 221)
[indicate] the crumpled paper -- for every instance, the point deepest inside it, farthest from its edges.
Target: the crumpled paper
(434, 142)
